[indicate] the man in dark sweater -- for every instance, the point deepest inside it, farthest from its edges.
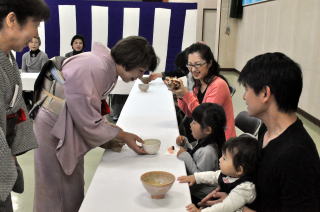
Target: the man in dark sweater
(288, 173)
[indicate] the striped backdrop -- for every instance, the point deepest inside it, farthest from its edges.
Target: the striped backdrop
(169, 27)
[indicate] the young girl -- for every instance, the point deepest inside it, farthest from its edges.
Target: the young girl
(237, 166)
(207, 127)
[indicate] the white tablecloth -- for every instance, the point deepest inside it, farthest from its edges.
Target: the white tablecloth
(116, 185)
(28, 80)
(121, 87)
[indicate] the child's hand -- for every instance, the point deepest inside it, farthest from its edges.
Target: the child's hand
(187, 179)
(192, 208)
(181, 150)
(181, 140)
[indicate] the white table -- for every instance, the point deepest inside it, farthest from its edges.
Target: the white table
(28, 80)
(121, 87)
(116, 185)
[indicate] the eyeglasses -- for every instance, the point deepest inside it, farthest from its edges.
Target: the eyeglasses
(197, 65)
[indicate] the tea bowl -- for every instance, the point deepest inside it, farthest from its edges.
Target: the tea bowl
(151, 146)
(157, 183)
(143, 87)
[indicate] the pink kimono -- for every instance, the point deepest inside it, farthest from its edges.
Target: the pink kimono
(65, 139)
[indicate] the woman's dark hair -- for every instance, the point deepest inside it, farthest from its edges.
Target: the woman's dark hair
(80, 37)
(24, 9)
(133, 52)
(206, 54)
(245, 152)
(280, 73)
(211, 115)
(181, 62)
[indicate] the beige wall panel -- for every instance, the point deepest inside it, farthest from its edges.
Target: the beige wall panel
(209, 27)
(202, 4)
(289, 26)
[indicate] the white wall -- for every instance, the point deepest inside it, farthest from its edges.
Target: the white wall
(288, 26)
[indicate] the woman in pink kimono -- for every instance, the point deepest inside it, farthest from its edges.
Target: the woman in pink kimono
(65, 137)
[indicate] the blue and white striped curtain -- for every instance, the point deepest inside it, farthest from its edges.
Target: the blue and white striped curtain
(169, 27)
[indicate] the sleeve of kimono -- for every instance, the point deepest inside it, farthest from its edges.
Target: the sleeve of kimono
(3, 115)
(8, 173)
(84, 105)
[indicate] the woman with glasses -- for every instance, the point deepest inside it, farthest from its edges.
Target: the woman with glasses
(209, 85)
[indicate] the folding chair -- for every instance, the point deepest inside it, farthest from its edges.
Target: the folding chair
(248, 124)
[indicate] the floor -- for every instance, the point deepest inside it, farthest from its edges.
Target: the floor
(24, 202)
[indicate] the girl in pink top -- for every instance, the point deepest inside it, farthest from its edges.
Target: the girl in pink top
(209, 85)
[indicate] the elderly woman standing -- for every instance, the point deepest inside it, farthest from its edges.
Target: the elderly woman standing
(209, 85)
(66, 135)
(19, 21)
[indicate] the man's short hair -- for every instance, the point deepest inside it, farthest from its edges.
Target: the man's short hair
(280, 73)
(133, 52)
(23, 9)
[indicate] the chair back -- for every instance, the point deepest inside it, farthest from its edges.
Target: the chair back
(248, 124)
(232, 90)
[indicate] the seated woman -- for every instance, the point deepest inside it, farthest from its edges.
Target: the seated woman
(209, 85)
(33, 60)
(77, 44)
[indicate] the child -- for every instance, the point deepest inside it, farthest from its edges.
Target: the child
(207, 127)
(237, 166)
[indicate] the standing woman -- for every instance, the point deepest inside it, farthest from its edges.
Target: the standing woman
(33, 60)
(19, 22)
(71, 123)
(209, 85)
(77, 44)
